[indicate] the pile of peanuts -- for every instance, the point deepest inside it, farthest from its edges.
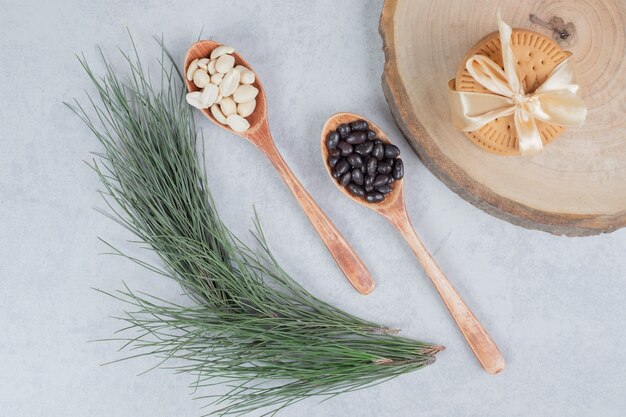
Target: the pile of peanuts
(224, 88)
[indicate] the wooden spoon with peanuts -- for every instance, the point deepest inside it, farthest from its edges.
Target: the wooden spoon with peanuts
(394, 209)
(259, 134)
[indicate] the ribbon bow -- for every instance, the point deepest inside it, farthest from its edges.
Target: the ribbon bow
(556, 101)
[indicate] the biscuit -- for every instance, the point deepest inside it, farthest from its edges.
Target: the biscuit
(537, 56)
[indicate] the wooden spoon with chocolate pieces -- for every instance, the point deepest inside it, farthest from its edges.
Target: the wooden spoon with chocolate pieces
(382, 190)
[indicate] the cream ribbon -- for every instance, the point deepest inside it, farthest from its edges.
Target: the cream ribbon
(556, 101)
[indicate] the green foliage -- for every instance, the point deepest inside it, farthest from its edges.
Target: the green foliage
(249, 325)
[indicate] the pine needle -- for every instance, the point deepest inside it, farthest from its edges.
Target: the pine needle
(250, 327)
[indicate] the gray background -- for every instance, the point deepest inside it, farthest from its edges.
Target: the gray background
(555, 305)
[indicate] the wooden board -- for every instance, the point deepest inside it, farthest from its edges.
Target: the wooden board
(577, 186)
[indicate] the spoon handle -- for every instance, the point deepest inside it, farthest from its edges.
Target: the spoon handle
(344, 255)
(477, 337)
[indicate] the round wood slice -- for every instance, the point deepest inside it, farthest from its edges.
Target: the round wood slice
(577, 185)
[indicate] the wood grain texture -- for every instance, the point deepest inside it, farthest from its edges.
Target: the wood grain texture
(393, 208)
(259, 134)
(577, 186)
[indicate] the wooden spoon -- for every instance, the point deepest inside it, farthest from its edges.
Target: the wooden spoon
(259, 134)
(394, 209)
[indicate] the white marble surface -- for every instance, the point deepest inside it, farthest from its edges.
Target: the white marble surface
(555, 305)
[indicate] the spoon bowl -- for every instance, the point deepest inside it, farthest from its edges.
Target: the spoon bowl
(259, 134)
(393, 209)
(392, 199)
(258, 118)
